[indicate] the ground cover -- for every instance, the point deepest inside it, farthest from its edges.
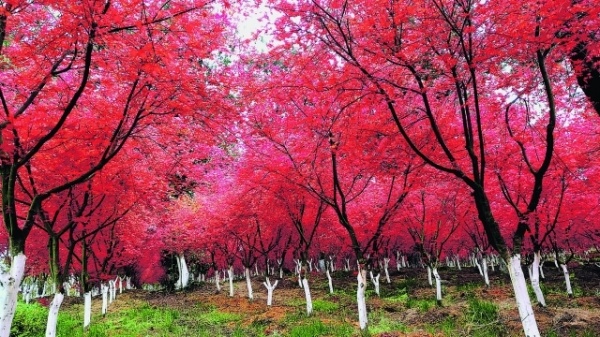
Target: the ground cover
(406, 307)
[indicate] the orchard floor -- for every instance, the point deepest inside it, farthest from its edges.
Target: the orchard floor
(406, 307)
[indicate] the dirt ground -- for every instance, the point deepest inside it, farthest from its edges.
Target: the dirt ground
(563, 316)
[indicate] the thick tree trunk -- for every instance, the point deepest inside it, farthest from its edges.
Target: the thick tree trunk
(230, 276)
(309, 305)
(361, 300)
(484, 269)
(438, 287)
(522, 297)
(111, 291)
(87, 309)
(217, 281)
(249, 283)
(429, 279)
(184, 273)
(10, 281)
(53, 314)
(104, 290)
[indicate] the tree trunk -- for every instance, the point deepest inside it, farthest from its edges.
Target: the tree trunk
(360, 299)
(484, 269)
(217, 281)
(438, 286)
(567, 279)
(522, 297)
(429, 279)
(53, 314)
(535, 279)
(9, 290)
(329, 281)
(230, 276)
(270, 287)
(375, 280)
(249, 284)
(87, 309)
(309, 306)
(104, 290)
(386, 264)
(184, 273)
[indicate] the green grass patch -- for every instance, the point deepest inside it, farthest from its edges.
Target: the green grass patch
(380, 323)
(316, 328)
(422, 305)
(325, 306)
(482, 319)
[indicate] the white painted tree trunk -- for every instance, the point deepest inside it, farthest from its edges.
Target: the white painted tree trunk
(230, 276)
(360, 299)
(522, 297)
(329, 281)
(386, 264)
(128, 283)
(53, 314)
(438, 286)
(535, 279)
(299, 272)
(111, 291)
(249, 284)
(9, 289)
(458, 262)
(565, 271)
(217, 281)
(484, 269)
(87, 309)
(120, 284)
(429, 280)
(476, 261)
(542, 276)
(184, 273)
(309, 305)
(270, 287)
(375, 281)
(347, 265)
(398, 262)
(104, 299)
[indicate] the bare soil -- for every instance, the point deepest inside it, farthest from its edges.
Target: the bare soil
(564, 316)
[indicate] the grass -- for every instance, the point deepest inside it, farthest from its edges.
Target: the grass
(380, 323)
(407, 306)
(421, 304)
(482, 319)
(315, 328)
